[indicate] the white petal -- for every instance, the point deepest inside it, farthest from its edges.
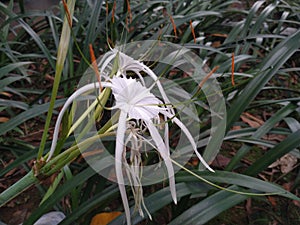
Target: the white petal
(118, 160)
(107, 59)
(189, 136)
(77, 93)
(163, 152)
(135, 99)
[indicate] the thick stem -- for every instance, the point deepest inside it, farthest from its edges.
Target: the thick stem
(23, 184)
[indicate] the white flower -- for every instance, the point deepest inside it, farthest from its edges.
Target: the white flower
(135, 102)
(135, 99)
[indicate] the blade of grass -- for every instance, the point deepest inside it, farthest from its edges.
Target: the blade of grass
(61, 57)
(66, 188)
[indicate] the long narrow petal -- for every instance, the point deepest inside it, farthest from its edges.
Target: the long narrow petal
(160, 88)
(77, 93)
(163, 152)
(189, 136)
(107, 60)
(118, 160)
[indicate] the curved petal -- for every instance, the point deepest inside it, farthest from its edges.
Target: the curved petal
(163, 152)
(77, 93)
(160, 88)
(118, 160)
(106, 60)
(189, 136)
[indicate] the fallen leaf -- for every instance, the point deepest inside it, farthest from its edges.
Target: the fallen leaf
(248, 206)
(286, 163)
(104, 218)
(3, 119)
(220, 161)
(272, 200)
(274, 137)
(296, 203)
(251, 120)
(6, 94)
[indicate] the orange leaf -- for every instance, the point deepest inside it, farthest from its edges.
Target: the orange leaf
(193, 31)
(113, 12)
(251, 120)
(3, 119)
(174, 25)
(94, 64)
(272, 200)
(104, 218)
(67, 13)
(207, 77)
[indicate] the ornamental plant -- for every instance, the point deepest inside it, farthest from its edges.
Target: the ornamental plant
(136, 114)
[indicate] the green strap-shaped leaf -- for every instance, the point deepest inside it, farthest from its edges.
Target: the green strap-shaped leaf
(26, 115)
(66, 188)
(208, 208)
(284, 147)
(270, 66)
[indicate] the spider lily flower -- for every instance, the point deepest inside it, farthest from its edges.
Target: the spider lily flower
(127, 63)
(135, 103)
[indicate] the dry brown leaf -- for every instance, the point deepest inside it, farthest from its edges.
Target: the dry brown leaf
(272, 200)
(251, 120)
(6, 94)
(220, 161)
(296, 203)
(104, 218)
(274, 137)
(236, 128)
(3, 119)
(248, 206)
(286, 163)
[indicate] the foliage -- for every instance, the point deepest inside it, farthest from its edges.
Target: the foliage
(41, 60)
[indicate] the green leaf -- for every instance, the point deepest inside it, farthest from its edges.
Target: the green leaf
(36, 110)
(60, 62)
(21, 185)
(53, 187)
(239, 180)
(98, 201)
(269, 67)
(161, 198)
(66, 188)
(284, 147)
(10, 67)
(208, 208)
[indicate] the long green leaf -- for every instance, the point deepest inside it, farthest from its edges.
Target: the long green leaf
(61, 57)
(284, 147)
(12, 66)
(98, 201)
(17, 188)
(36, 110)
(161, 198)
(66, 188)
(239, 180)
(264, 129)
(208, 208)
(277, 57)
